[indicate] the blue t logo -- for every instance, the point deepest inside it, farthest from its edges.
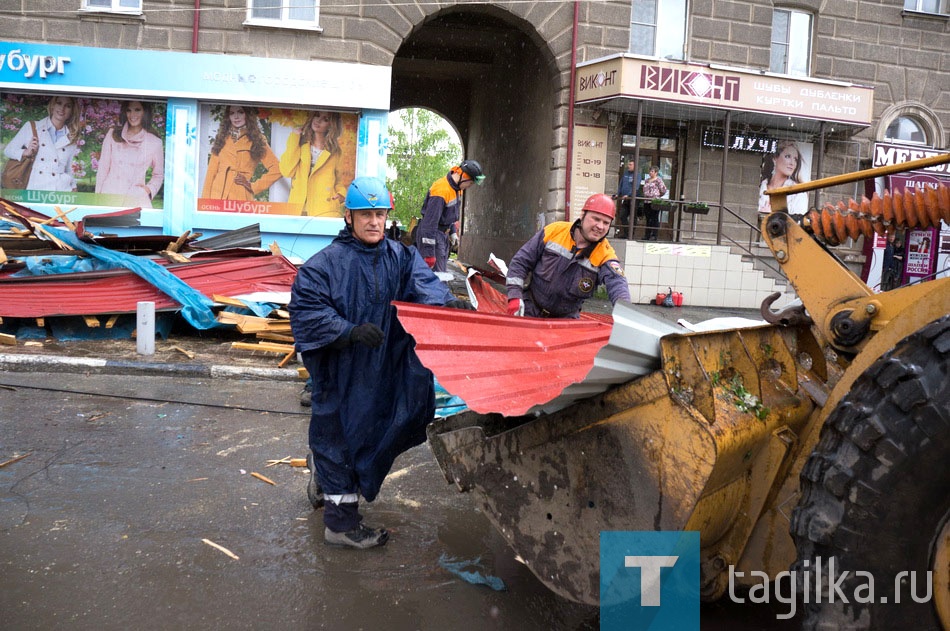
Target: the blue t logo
(649, 580)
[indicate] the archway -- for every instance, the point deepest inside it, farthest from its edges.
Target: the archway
(491, 75)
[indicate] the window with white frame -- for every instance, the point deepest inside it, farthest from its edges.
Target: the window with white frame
(117, 6)
(791, 42)
(937, 7)
(289, 13)
(658, 33)
(907, 129)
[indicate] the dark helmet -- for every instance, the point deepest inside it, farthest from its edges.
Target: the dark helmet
(473, 169)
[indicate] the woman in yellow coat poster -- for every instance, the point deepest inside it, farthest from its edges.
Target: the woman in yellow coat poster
(312, 162)
(238, 148)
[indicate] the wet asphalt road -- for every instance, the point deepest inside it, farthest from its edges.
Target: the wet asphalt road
(102, 525)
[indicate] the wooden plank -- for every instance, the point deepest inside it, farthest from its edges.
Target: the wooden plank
(3, 257)
(229, 317)
(111, 321)
(275, 337)
(64, 218)
(275, 249)
(175, 257)
(227, 300)
(267, 347)
(6, 338)
(286, 360)
(91, 321)
(176, 246)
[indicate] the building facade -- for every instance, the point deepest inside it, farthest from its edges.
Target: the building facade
(553, 98)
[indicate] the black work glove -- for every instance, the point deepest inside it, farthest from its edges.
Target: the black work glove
(367, 334)
(460, 304)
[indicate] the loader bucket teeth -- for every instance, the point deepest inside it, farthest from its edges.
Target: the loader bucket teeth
(912, 208)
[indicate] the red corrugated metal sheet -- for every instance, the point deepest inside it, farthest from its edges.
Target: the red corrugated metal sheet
(118, 291)
(501, 363)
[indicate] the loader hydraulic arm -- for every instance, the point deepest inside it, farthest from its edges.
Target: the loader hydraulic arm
(846, 311)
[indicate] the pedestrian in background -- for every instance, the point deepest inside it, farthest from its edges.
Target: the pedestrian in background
(437, 230)
(653, 188)
(560, 267)
(372, 398)
(625, 191)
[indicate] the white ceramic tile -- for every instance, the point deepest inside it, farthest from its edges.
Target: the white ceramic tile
(700, 278)
(749, 300)
(684, 278)
(731, 298)
(749, 281)
(697, 296)
(717, 280)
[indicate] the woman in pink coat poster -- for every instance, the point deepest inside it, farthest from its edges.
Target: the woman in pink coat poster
(132, 162)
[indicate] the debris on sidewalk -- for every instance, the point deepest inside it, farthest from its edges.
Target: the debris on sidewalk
(471, 576)
(218, 546)
(16, 459)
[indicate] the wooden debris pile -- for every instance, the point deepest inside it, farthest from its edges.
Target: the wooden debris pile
(273, 333)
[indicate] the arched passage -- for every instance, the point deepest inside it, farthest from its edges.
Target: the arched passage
(492, 76)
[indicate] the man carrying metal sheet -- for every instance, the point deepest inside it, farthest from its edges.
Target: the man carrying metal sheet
(561, 266)
(372, 398)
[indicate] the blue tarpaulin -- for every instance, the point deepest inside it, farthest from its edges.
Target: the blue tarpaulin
(196, 307)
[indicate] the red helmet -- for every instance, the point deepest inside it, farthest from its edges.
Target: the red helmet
(602, 204)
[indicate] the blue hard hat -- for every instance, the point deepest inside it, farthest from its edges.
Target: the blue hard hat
(367, 193)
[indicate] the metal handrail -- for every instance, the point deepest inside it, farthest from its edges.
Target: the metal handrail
(734, 219)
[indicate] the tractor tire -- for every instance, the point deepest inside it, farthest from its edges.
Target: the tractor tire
(876, 493)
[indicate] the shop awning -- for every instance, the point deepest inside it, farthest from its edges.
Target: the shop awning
(703, 93)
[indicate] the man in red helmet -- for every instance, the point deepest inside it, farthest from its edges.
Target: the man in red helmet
(561, 266)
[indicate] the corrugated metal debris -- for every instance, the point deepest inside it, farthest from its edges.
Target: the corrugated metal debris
(53, 267)
(515, 366)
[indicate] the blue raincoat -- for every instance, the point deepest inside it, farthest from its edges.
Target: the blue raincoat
(369, 404)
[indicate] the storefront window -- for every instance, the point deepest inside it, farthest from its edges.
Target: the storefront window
(791, 42)
(299, 14)
(275, 161)
(658, 33)
(98, 152)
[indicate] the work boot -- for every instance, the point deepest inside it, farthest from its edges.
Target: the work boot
(305, 395)
(314, 492)
(361, 537)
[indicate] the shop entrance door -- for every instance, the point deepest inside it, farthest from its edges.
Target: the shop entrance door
(658, 151)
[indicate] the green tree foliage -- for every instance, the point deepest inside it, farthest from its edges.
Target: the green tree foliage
(421, 150)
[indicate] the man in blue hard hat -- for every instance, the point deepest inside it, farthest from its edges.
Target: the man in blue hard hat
(438, 229)
(372, 398)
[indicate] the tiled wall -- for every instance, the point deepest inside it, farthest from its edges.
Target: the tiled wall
(706, 275)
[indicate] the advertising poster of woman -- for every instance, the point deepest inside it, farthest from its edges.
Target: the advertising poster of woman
(275, 161)
(97, 152)
(919, 253)
(788, 164)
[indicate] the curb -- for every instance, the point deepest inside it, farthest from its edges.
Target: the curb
(53, 363)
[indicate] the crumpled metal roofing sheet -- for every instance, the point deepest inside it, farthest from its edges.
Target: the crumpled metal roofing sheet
(515, 366)
(118, 291)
